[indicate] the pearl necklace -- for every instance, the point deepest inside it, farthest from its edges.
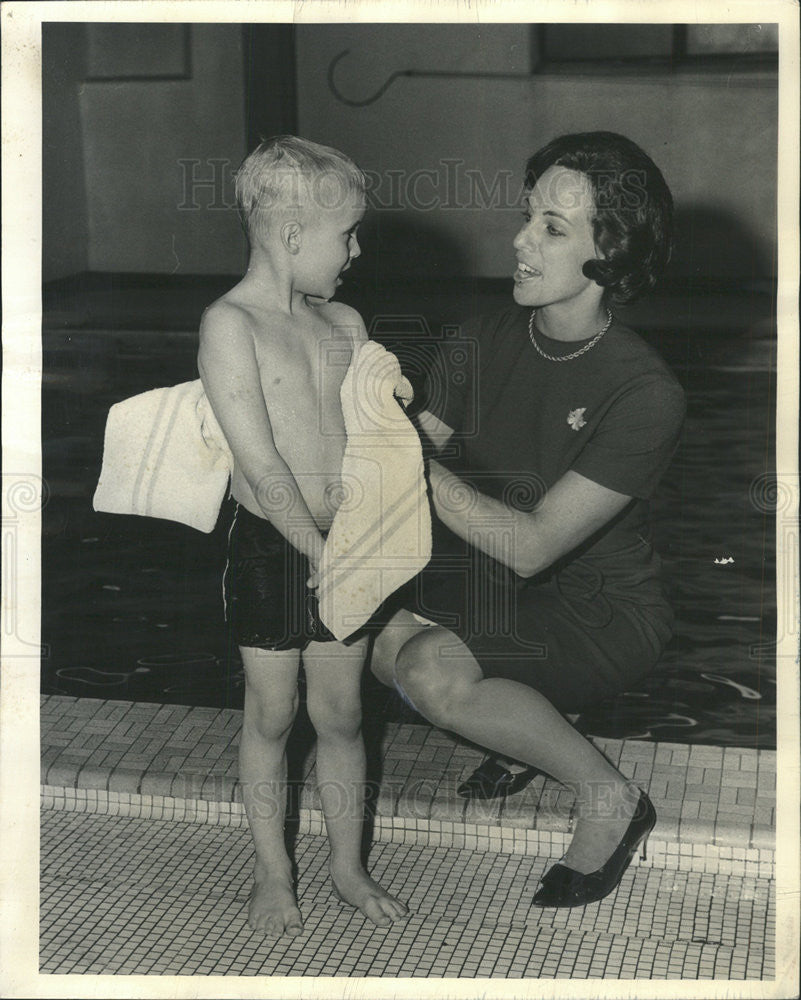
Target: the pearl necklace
(575, 354)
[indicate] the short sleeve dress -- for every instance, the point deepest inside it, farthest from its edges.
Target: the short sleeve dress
(595, 622)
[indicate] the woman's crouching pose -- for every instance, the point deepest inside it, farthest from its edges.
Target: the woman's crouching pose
(544, 590)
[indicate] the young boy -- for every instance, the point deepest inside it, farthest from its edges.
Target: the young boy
(273, 353)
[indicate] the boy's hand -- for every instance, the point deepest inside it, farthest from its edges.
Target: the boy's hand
(314, 559)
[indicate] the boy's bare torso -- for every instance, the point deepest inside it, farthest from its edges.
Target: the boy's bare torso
(302, 363)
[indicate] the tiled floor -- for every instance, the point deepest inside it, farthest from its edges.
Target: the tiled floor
(704, 795)
(147, 859)
(134, 896)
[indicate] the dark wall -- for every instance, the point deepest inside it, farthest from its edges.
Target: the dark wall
(712, 132)
(122, 190)
(126, 159)
(64, 206)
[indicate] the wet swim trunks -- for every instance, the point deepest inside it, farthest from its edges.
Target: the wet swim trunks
(267, 603)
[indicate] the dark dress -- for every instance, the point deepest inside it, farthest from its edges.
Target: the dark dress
(594, 623)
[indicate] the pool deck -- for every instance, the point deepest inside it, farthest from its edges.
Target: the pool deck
(715, 805)
(175, 767)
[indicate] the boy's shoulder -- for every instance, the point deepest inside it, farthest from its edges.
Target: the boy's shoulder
(229, 314)
(229, 331)
(344, 319)
(224, 325)
(233, 313)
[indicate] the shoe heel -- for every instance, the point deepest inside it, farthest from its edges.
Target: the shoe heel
(561, 886)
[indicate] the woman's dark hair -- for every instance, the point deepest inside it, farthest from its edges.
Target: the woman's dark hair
(633, 220)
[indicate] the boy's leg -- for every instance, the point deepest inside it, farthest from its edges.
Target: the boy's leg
(333, 700)
(271, 701)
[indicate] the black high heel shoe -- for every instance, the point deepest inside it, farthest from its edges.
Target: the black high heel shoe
(561, 886)
(492, 780)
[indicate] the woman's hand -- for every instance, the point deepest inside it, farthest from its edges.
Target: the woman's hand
(315, 557)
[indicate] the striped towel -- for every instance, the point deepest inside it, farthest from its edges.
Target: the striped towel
(164, 455)
(381, 534)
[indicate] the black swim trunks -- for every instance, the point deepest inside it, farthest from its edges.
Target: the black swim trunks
(267, 603)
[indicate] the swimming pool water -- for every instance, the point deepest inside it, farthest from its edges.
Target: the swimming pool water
(132, 607)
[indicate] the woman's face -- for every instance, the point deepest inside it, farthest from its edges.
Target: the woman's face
(555, 241)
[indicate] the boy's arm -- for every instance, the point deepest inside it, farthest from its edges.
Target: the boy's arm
(230, 375)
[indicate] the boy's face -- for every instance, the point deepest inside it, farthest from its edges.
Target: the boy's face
(329, 244)
(555, 240)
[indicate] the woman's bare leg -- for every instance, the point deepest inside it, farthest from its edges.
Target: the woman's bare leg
(440, 676)
(402, 627)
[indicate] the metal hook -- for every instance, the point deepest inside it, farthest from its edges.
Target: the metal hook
(429, 74)
(370, 100)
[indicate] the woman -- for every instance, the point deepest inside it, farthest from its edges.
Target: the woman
(544, 589)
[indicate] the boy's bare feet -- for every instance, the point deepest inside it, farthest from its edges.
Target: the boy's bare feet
(358, 889)
(273, 908)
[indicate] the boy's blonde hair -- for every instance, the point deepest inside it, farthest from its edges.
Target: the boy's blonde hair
(287, 173)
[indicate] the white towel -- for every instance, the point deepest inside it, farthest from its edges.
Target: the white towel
(164, 455)
(381, 534)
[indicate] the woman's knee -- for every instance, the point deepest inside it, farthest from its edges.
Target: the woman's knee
(388, 642)
(382, 657)
(434, 687)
